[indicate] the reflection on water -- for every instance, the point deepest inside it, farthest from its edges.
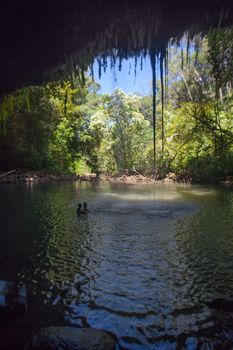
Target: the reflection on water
(146, 263)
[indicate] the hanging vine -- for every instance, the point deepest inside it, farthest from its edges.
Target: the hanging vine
(154, 86)
(162, 104)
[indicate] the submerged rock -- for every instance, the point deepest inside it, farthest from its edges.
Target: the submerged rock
(221, 304)
(12, 299)
(70, 338)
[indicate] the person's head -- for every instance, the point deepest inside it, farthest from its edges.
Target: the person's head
(85, 205)
(79, 205)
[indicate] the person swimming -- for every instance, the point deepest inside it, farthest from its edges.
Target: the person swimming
(81, 210)
(85, 210)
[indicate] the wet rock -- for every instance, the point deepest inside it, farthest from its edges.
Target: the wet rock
(221, 304)
(12, 299)
(70, 338)
(228, 180)
(127, 178)
(171, 177)
(42, 176)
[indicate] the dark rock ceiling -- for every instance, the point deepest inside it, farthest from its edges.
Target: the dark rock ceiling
(38, 35)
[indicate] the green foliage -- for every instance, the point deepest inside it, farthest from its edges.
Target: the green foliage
(42, 127)
(199, 126)
(220, 54)
(199, 142)
(124, 134)
(82, 168)
(11, 103)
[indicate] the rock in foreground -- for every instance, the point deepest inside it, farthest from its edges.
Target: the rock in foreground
(12, 299)
(70, 338)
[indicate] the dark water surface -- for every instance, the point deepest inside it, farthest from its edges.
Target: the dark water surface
(151, 264)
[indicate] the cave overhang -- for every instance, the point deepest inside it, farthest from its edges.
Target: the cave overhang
(37, 37)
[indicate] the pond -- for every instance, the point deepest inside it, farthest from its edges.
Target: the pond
(152, 264)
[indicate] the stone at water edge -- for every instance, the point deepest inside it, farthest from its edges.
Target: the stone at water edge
(71, 338)
(12, 299)
(221, 304)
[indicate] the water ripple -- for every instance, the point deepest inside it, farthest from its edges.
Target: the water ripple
(149, 268)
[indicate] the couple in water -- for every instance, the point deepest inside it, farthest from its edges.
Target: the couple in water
(82, 209)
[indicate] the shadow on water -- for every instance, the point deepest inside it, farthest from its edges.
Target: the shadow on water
(153, 267)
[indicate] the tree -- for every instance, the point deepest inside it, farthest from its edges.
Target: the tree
(125, 133)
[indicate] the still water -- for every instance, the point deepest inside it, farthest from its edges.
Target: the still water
(148, 263)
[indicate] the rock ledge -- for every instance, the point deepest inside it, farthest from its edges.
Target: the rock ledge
(71, 338)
